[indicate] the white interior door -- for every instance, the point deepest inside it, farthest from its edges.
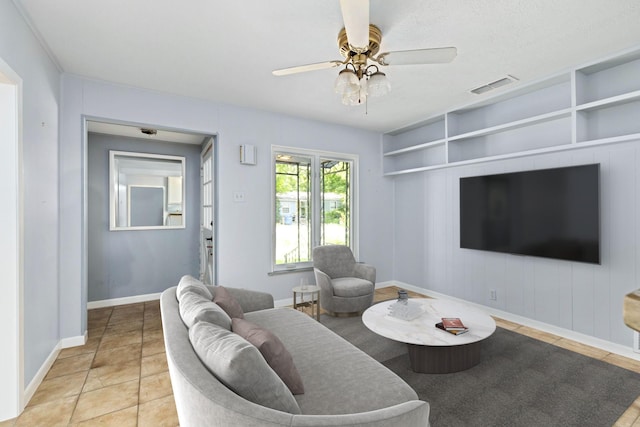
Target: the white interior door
(207, 197)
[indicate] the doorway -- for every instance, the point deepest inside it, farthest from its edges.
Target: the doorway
(11, 244)
(125, 263)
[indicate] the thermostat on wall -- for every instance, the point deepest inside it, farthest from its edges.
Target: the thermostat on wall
(248, 154)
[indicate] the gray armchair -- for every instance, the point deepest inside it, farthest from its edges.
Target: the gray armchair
(346, 287)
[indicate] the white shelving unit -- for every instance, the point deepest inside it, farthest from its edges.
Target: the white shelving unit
(595, 104)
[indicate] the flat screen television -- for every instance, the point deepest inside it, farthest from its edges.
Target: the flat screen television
(551, 213)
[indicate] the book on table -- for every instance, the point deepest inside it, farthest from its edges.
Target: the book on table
(452, 331)
(453, 325)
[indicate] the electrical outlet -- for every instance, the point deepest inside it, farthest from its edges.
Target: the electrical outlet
(493, 295)
(238, 197)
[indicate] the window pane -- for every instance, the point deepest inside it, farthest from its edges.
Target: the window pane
(335, 198)
(292, 205)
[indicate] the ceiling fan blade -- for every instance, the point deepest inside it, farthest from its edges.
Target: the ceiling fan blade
(308, 67)
(355, 14)
(439, 55)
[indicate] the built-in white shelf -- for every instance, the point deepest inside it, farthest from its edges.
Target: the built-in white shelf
(514, 125)
(610, 102)
(598, 103)
(416, 147)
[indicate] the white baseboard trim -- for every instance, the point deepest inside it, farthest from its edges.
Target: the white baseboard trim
(74, 341)
(122, 301)
(30, 390)
(545, 327)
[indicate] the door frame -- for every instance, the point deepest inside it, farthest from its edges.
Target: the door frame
(85, 186)
(11, 249)
(210, 146)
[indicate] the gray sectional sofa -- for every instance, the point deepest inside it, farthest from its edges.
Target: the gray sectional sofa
(343, 386)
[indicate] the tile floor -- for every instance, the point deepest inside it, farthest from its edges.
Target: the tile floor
(120, 378)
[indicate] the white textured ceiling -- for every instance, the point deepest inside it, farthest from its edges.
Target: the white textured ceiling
(225, 50)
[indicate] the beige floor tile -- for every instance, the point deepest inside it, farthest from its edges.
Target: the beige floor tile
(99, 313)
(130, 311)
(505, 324)
(580, 348)
(539, 335)
(413, 294)
(120, 340)
(8, 423)
(97, 323)
(50, 414)
(154, 364)
(630, 416)
(152, 317)
(124, 318)
(129, 308)
(155, 386)
(117, 355)
(124, 418)
(152, 326)
(623, 362)
(152, 306)
(58, 388)
(158, 413)
(120, 328)
(90, 347)
(152, 347)
(95, 332)
(70, 365)
(109, 375)
(152, 335)
(106, 400)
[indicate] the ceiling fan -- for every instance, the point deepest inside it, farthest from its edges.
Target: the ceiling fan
(359, 43)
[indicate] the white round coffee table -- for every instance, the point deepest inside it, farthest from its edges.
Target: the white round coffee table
(432, 350)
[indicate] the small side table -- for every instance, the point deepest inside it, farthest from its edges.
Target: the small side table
(313, 302)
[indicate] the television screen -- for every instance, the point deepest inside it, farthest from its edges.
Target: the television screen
(552, 213)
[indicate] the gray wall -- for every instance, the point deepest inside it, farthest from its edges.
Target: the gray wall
(20, 49)
(585, 298)
(138, 262)
(244, 229)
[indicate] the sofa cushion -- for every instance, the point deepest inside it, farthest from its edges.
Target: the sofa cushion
(349, 287)
(190, 283)
(274, 352)
(338, 378)
(241, 367)
(194, 307)
(228, 303)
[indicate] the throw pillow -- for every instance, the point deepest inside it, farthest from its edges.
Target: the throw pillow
(228, 303)
(190, 283)
(241, 367)
(194, 307)
(274, 352)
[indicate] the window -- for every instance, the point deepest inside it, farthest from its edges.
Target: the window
(313, 204)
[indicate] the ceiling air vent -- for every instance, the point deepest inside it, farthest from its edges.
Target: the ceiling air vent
(494, 85)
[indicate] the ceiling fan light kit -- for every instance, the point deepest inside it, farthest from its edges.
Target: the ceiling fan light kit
(354, 85)
(359, 79)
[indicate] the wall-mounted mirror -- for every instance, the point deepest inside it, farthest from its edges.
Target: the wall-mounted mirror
(146, 191)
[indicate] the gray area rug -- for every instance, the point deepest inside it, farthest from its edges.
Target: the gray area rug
(520, 381)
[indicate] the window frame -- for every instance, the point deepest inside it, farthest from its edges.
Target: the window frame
(316, 156)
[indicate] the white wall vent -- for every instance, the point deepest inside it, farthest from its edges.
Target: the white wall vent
(494, 85)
